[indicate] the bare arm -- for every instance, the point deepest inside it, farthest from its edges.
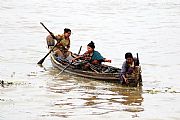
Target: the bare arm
(107, 60)
(76, 58)
(123, 72)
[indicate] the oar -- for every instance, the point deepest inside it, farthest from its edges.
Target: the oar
(79, 50)
(69, 63)
(137, 60)
(64, 68)
(42, 60)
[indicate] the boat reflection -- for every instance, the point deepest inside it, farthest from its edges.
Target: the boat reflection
(75, 94)
(130, 96)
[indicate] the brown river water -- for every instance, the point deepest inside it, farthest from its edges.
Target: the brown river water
(148, 27)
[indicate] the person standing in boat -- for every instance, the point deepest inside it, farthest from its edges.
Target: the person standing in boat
(128, 67)
(92, 56)
(62, 48)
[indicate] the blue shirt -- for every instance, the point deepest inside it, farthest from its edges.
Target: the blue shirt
(96, 56)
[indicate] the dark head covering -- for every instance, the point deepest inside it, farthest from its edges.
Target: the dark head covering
(66, 30)
(128, 55)
(91, 44)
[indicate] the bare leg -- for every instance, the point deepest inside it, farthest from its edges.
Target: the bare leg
(66, 54)
(69, 56)
(59, 53)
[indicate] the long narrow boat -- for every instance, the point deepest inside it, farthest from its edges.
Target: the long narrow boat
(110, 74)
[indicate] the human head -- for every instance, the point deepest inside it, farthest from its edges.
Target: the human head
(91, 44)
(67, 32)
(90, 47)
(129, 57)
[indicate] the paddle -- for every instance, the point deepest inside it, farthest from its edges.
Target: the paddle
(64, 68)
(137, 60)
(42, 60)
(69, 63)
(79, 50)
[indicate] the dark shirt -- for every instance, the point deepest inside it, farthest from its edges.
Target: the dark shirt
(127, 68)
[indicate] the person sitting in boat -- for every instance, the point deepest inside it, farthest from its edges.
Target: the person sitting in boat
(92, 56)
(62, 48)
(128, 67)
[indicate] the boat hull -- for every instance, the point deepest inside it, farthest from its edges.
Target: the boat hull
(113, 77)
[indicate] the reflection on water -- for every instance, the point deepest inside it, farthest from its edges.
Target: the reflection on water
(92, 97)
(131, 96)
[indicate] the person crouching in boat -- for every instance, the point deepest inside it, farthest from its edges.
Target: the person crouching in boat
(62, 48)
(129, 67)
(92, 56)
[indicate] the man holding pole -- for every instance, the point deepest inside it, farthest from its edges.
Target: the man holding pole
(63, 43)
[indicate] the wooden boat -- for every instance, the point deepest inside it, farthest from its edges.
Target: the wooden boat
(109, 73)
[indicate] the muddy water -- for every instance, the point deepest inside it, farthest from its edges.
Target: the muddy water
(148, 27)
